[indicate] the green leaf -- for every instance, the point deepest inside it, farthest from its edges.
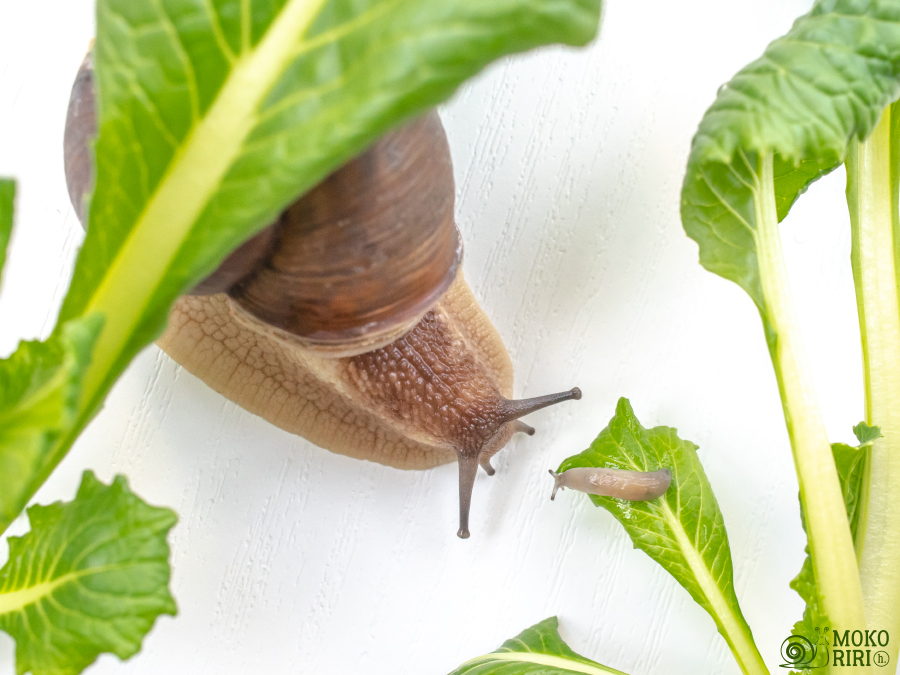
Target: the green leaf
(539, 650)
(866, 434)
(213, 116)
(39, 393)
(7, 199)
(814, 89)
(90, 577)
(683, 530)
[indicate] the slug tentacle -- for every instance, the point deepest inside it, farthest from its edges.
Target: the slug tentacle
(557, 483)
(635, 486)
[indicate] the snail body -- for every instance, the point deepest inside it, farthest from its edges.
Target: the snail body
(348, 321)
(635, 486)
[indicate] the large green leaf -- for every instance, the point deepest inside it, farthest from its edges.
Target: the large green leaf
(683, 530)
(7, 197)
(40, 385)
(214, 115)
(90, 577)
(539, 650)
(823, 83)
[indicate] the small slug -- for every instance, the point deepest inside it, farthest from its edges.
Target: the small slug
(635, 486)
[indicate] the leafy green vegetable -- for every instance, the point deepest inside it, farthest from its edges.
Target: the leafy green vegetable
(683, 530)
(213, 116)
(872, 195)
(783, 121)
(538, 650)
(39, 391)
(7, 198)
(90, 577)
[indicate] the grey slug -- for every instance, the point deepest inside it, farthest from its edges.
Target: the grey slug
(635, 486)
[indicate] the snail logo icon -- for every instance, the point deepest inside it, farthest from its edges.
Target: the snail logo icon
(799, 652)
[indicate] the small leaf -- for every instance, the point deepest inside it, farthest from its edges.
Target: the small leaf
(7, 199)
(683, 530)
(90, 577)
(539, 650)
(866, 434)
(39, 392)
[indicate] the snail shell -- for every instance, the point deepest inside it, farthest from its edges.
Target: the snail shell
(635, 486)
(348, 320)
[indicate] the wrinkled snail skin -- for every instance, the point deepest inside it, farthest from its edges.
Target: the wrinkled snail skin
(348, 321)
(635, 486)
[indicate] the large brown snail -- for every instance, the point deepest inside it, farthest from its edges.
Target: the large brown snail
(348, 321)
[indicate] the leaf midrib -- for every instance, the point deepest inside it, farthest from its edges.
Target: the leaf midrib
(735, 631)
(16, 601)
(558, 662)
(191, 180)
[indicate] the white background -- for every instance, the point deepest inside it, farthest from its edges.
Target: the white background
(289, 559)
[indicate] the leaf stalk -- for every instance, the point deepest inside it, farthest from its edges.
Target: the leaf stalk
(830, 541)
(872, 175)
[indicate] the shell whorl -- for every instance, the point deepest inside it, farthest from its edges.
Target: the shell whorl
(361, 257)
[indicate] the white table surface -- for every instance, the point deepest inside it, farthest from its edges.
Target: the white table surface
(290, 559)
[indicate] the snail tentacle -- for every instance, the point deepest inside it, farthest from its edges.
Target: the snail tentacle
(468, 468)
(485, 462)
(519, 426)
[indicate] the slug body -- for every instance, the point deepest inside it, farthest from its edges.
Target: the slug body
(348, 321)
(635, 486)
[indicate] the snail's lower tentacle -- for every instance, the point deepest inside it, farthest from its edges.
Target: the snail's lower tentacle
(468, 468)
(485, 462)
(520, 427)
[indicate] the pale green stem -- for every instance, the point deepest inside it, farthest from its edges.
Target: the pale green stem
(830, 543)
(870, 197)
